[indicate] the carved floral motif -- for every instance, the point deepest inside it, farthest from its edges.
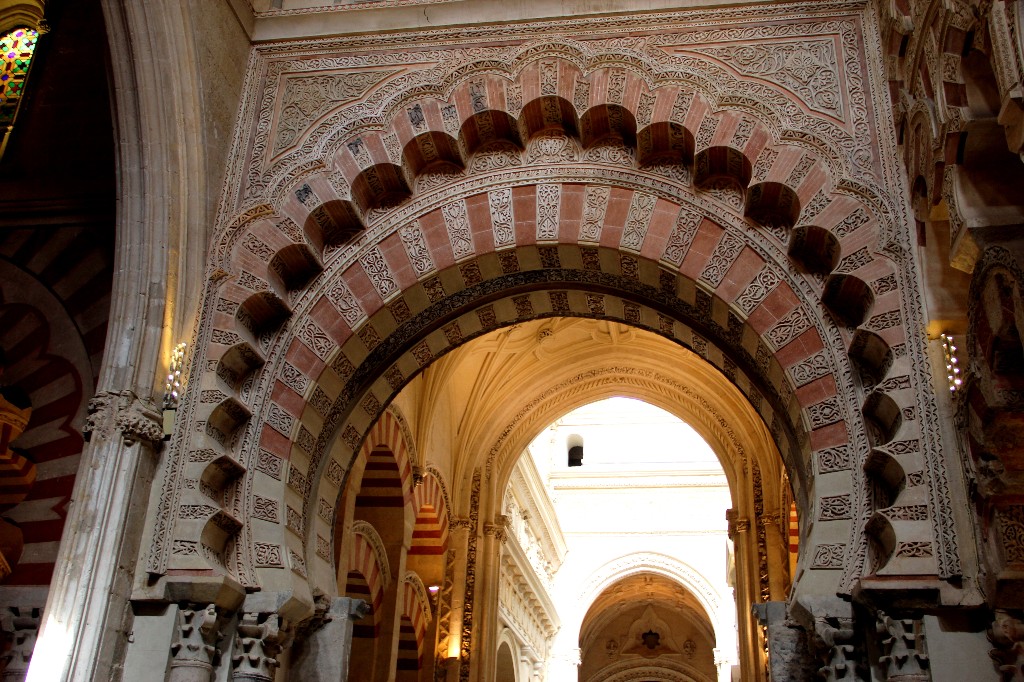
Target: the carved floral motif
(135, 418)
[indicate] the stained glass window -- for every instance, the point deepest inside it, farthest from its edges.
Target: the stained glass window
(15, 56)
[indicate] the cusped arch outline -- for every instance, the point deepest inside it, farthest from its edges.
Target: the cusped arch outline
(665, 566)
(314, 337)
(657, 71)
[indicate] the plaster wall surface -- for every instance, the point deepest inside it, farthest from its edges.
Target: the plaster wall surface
(649, 488)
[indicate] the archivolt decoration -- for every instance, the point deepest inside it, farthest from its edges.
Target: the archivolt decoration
(721, 198)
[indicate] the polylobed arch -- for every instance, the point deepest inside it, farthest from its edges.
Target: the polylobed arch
(593, 260)
(377, 492)
(557, 238)
(582, 80)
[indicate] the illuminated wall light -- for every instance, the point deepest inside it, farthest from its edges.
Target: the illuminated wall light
(949, 352)
(172, 387)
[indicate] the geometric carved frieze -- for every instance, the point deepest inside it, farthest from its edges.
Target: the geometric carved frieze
(810, 369)
(789, 327)
(1010, 521)
(763, 284)
(595, 203)
(637, 220)
(824, 413)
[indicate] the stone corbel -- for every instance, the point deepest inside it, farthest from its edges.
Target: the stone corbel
(259, 640)
(136, 419)
(195, 652)
(21, 626)
(321, 617)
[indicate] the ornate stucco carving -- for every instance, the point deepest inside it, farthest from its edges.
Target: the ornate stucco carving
(135, 419)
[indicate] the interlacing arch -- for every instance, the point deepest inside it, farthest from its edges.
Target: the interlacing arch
(574, 184)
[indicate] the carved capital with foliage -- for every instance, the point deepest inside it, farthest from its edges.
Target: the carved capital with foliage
(135, 419)
(259, 640)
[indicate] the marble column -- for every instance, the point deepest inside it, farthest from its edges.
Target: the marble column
(777, 548)
(746, 593)
(451, 601)
(485, 631)
(322, 653)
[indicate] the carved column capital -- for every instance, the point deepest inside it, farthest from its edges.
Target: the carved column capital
(196, 641)
(834, 636)
(259, 640)
(460, 523)
(135, 419)
(20, 625)
(499, 529)
(1007, 637)
(902, 640)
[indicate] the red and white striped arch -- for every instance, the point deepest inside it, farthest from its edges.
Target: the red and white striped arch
(368, 574)
(586, 185)
(387, 472)
(416, 609)
(430, 534)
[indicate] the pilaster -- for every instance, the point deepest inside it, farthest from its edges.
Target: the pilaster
(89, 592)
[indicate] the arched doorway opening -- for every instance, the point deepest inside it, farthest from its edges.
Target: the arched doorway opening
(471, 413)
(378, 507)
(647, 621)
(646, 508)
(506, 667)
